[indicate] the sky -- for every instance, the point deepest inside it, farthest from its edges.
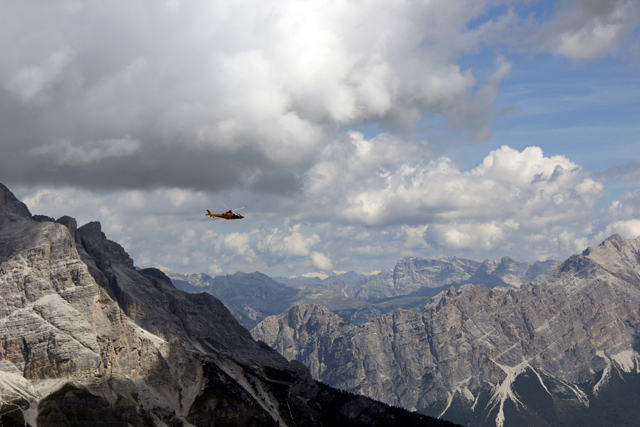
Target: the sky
(356, 133)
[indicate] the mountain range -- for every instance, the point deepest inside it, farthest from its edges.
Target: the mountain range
(561, 352)
(251, 297)
(88, 340)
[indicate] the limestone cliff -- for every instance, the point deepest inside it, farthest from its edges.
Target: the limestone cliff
(552, 353)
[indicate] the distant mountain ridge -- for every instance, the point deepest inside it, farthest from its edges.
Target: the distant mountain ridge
(427, 277)
(251, 297)
(560, 352)
(347, 277)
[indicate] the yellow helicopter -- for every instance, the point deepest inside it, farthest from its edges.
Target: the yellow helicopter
(226, 215)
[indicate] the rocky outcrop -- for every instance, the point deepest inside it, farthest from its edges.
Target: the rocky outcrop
(85, 339)
(539, 355)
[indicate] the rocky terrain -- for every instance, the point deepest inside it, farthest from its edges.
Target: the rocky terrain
(87, 340)
(561, 352)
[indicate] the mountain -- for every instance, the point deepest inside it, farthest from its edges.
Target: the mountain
(251, 297)
(87, 340)
(561, 352)
(428, 277)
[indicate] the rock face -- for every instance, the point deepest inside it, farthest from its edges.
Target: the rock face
(85, 339)
(560, 352)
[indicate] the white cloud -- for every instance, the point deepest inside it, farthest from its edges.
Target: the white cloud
(259, 85)
(462, 236)
(621, 216)
(363, 184)
(286, 243)
(239, 244)
(321, 261)
(516, 203)
(629, 229)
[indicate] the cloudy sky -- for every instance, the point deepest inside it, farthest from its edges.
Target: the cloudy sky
(354, 132)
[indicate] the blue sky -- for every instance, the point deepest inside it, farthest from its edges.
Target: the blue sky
(355, 133)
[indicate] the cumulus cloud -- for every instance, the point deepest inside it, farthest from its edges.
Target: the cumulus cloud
(376, 188)
(621, 216)
(512, 201)
(232, 89)
(321, 261)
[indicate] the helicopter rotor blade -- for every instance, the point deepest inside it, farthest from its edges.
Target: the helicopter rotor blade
(232, 210)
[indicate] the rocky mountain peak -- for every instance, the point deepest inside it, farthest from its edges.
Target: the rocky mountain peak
(615, 260)
(103, 250)
(615, 241)
(12, 209)
(70, 223)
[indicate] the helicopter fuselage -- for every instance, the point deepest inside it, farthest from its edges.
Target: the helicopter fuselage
(226, 215)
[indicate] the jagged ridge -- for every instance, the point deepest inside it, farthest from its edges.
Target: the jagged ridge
(466, 356)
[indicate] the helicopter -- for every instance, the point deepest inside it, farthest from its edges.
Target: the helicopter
(226, 215)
